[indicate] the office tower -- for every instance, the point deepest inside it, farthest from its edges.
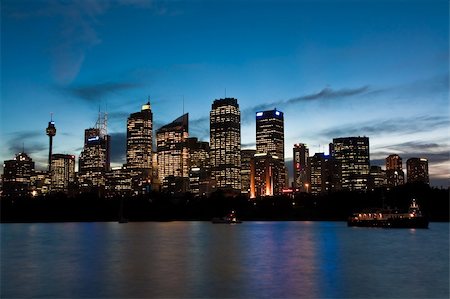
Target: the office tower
(17, 176)
(199, 169)
(63, 173)
(139, 148)
(323, 174)
(377, 177)
(225, 144)
(118, 182)
(352, 155)
(41, 182)
(173, 155)
(301, 167)
(246, 160)
(394, 171)
(417, 170)
(94, 160)
(264, 176)
(156, 183)
(51, 132)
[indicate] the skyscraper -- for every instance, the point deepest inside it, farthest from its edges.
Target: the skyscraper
(63, 173)
(199, 169)
(352, 156)
(264, 176)
(225, 144)
(323, 174)
(270, 140)
(247, 156)
(139, 148)
(417, 170)
(94, 160)
(173, 155)
(301, 167)
(394, 171)
(17, 176)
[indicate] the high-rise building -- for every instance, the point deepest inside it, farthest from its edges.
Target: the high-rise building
(63, 173)
(394, 171)
(264, 176)
(352, 156)
(118, 182)
(323, 174)
(173, 155)
(94, 160)
(270, 138)
(199, 168)
(417, 170)
(377, 177)
(51, 132)
(17, 175)
(225, 144)
(301, 167)
(139, 148)
(246, 160)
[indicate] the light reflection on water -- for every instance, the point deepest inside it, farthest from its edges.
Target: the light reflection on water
(200, 259)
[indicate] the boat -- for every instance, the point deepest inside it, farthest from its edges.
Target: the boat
(228, 219)
(390, 218)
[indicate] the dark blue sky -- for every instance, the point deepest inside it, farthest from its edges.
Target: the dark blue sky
(336, 68)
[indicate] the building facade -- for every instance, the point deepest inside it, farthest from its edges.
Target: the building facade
(225, 145)
(394, 171)
(323, 171)
(63, 173)
(264, 176)
(17, 174)
(199, 169)
(247, 156)
(417, 170)
(302, 172)
(352, 156)
(377, 178)
(173, 154)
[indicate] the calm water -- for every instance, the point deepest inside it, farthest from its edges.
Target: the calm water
(200, 259)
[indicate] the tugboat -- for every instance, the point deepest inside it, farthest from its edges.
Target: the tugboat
(228, 219)
(390, 219)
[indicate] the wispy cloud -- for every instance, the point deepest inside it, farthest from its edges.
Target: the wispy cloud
(96, 92)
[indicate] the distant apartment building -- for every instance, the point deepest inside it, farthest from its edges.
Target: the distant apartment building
(173, 155)
(270, 140)
(119, 182)
(199, 168)
(417, 170)
(225, 145)
(352, 157)
(63, 173)
(377, 178)
(17, 175)
(302, 172)
(247, 156)
(394, 171)
(323, 174)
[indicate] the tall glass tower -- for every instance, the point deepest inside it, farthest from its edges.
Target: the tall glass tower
(225, 144)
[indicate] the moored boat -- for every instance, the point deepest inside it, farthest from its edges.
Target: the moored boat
(390, 219)
(228, 219)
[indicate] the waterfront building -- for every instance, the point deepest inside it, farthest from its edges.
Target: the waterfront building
(246, 160)
(323, 171)
(139, 148)
(173, 155)
(270, 138)
(17, 175)
(377, 177)
(302, 172)
(225, 145)
(94, 160)
(119, 182)
(394, 171)
(417, 170)
(199, 168)
(264, 178)
(63, 173)
(352, 156)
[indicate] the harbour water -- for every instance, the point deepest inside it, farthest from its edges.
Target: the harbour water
(205, 260)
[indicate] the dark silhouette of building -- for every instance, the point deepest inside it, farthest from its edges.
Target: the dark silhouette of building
(17, 175)
(352, 156)
(302, 171)
(139, 149)
(417, 170)
(394, 171)
(246, 160)
(173, 155)
(225, 145)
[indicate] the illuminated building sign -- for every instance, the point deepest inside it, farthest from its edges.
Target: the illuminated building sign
(95, 138)
(259, 113)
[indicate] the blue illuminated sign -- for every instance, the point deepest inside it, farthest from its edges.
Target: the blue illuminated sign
(259, 114)
(95, 138)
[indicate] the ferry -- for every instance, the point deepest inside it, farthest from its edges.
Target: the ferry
(390, 219)
(228, 219)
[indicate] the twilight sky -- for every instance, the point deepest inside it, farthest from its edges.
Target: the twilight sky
(335, 68)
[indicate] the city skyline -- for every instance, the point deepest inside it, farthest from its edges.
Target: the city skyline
(335, 68)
